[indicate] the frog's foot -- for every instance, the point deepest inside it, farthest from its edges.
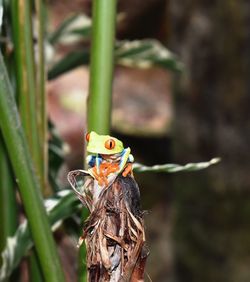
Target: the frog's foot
(112, 168)
(101, 179)
(94, 173)
(106, 169)
(127, 170)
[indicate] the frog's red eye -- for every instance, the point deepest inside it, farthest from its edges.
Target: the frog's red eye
(87, 137)
(110, 144)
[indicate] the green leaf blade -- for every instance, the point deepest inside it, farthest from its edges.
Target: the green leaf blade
(59, 207)
(146, 53)
(172, 168)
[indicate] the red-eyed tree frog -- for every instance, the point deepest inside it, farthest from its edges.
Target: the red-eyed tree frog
(107, 156)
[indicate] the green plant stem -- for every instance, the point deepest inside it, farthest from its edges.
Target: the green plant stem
(35, 274)
(8, 213)
(41, 94)
(26, 76)
(82, 272)
(30, 191)
(101, 77)
(30, 91)
(101, 67)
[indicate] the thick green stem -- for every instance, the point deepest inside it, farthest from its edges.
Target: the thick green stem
(101, 77)
(26, 76)
(30, 88)
(30, 191)
(102, 64)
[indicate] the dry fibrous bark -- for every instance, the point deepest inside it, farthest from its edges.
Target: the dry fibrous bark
(114, 231)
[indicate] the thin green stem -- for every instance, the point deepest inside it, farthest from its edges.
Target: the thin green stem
(41, 93)
(35, 274)
(30, 191)
(102, 64)
(26, 76)
(82, 271)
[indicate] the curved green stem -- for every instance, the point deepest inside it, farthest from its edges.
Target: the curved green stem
(30, 191)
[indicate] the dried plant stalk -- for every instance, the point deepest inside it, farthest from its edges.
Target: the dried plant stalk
(114, 233)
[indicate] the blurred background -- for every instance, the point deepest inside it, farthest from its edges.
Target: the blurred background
(197, 223)
(190, 109)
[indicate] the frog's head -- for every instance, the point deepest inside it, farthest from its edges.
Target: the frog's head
(103, 144)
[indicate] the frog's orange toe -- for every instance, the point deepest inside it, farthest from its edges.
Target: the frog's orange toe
(127, 170)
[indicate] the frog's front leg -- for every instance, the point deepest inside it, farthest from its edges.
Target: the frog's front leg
(95, 161)
(126, 161)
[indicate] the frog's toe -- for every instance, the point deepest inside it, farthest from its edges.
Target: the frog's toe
(127, 170)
